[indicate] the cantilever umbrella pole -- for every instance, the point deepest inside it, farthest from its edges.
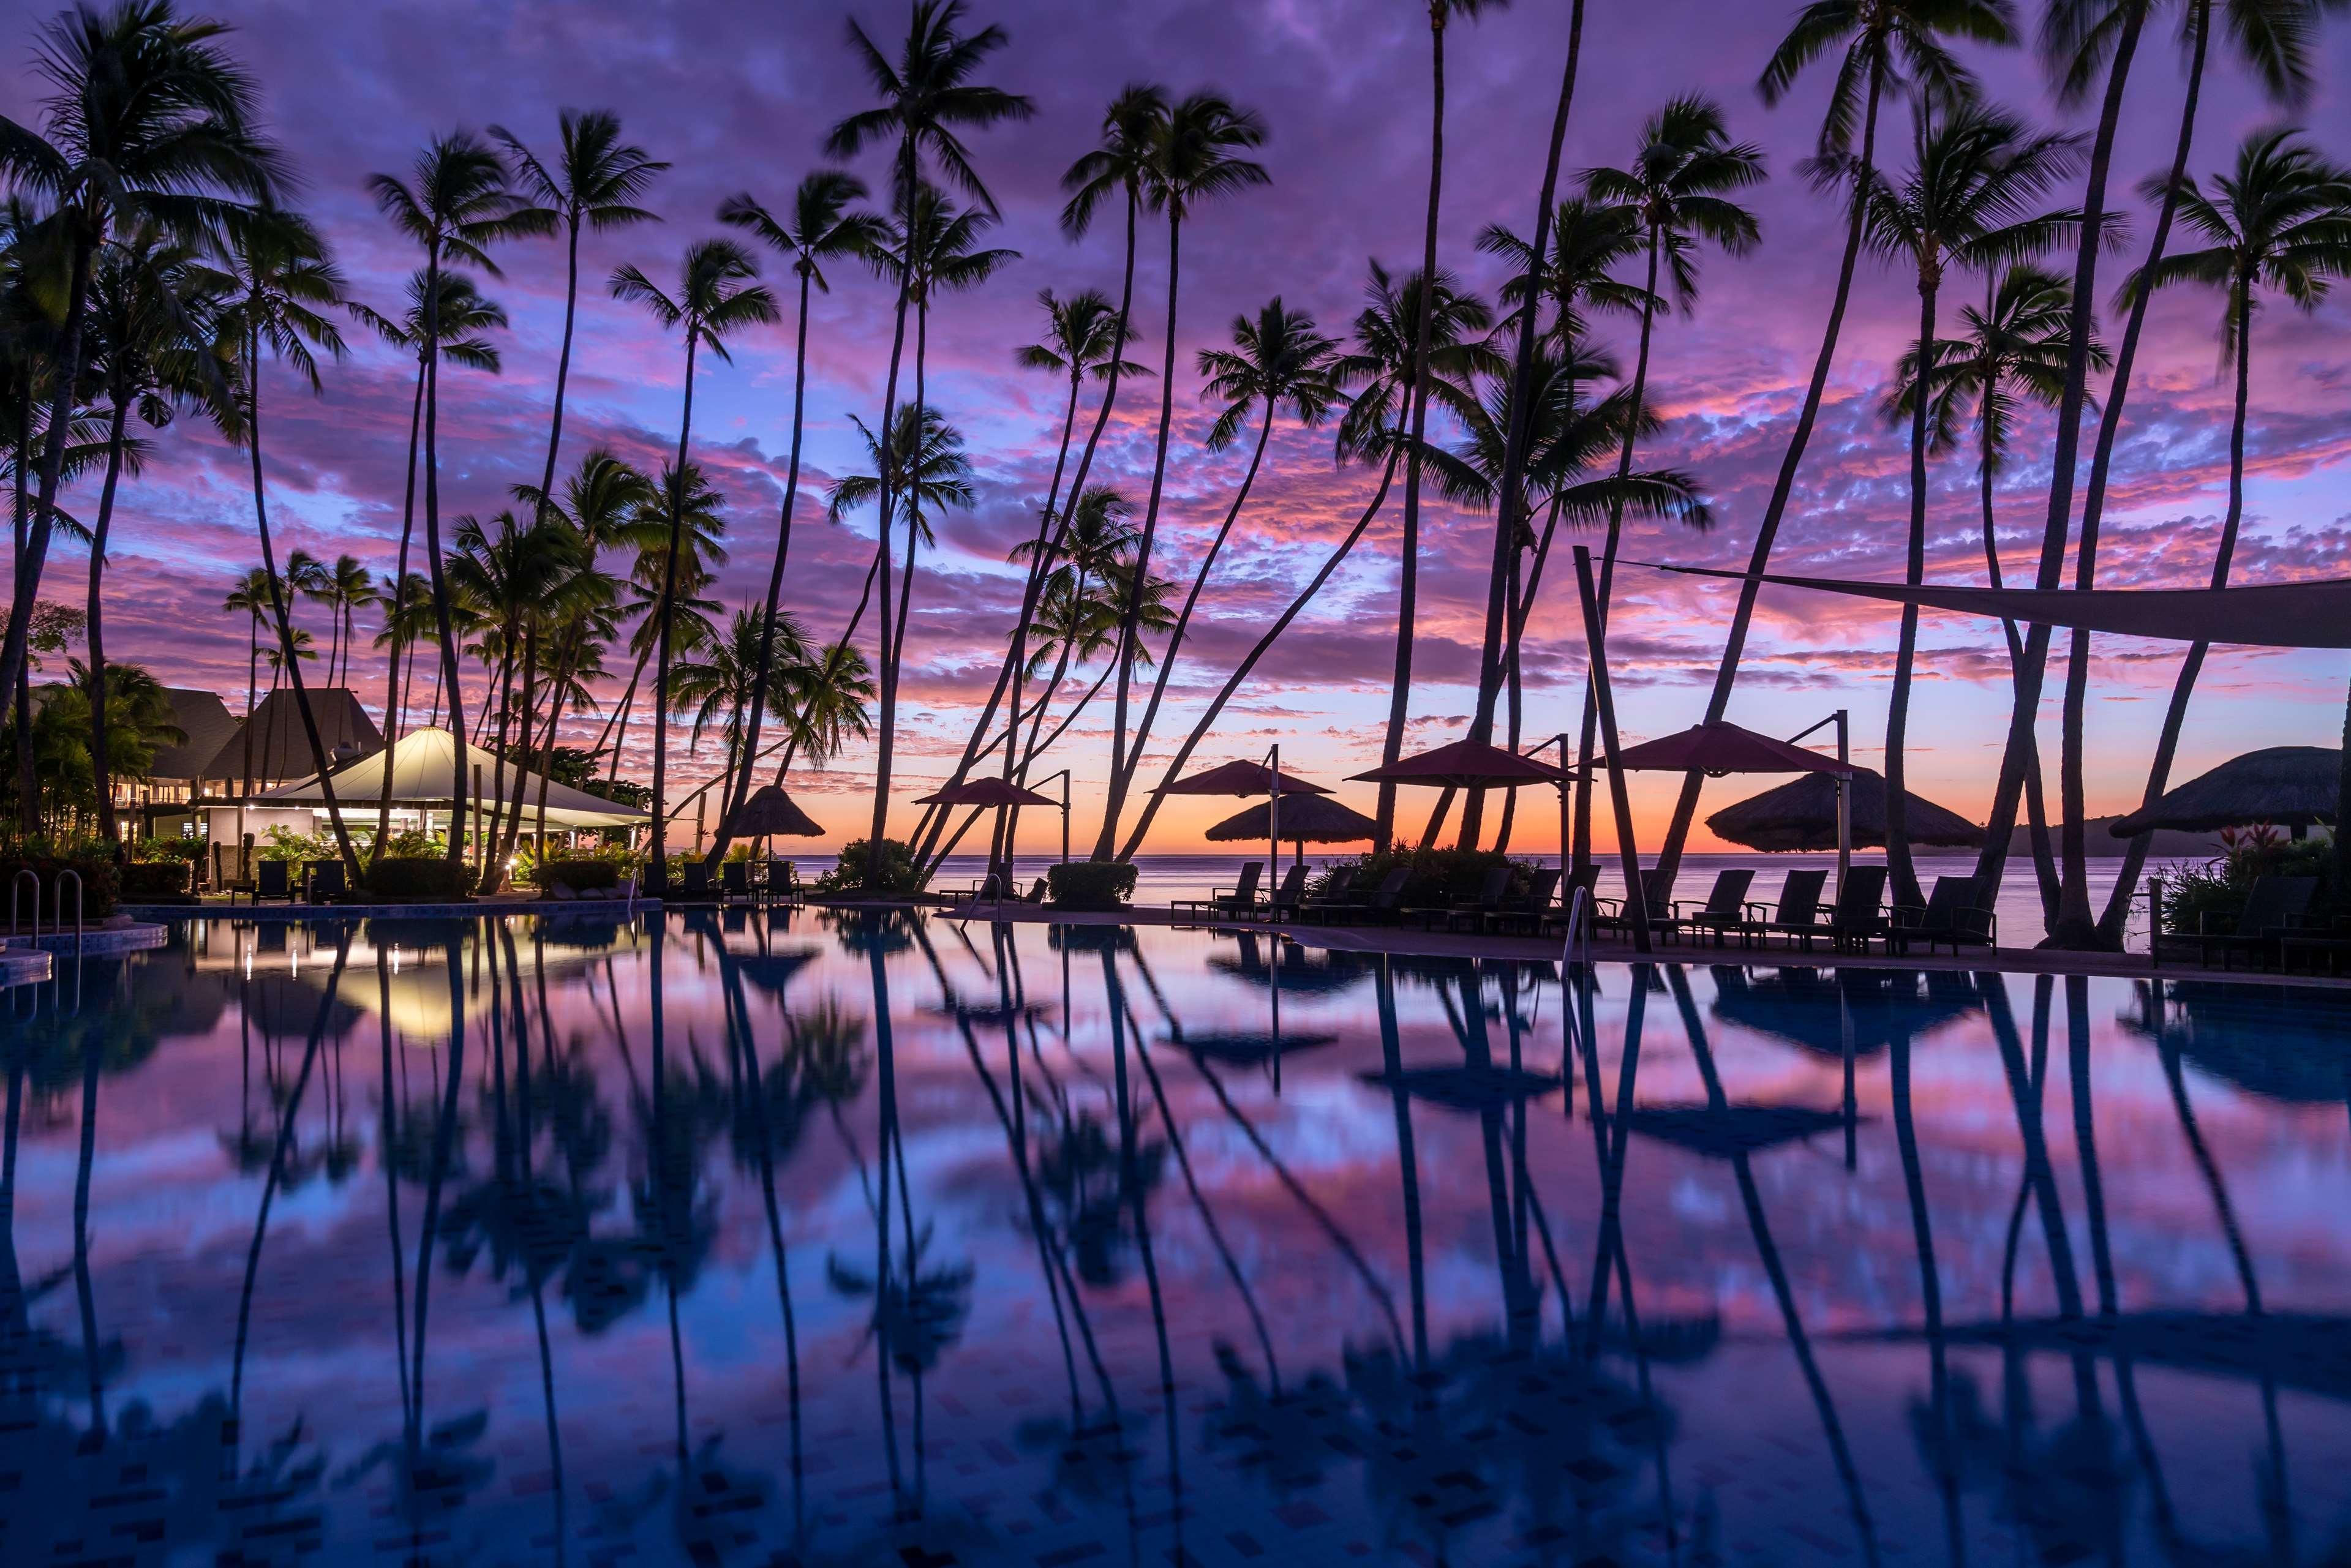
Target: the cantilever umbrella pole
(1636, 908)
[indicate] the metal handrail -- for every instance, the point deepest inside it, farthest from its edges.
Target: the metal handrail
(14, 884)
(1577, 947)
(68, 872)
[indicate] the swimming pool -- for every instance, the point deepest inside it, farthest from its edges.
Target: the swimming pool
(807, 1238)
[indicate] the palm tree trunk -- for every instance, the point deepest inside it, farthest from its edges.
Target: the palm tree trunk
(529, 718)
(562, 362)
(16, 646)
(443, 624)
(23, 694)
(285, 626)
(2074, 928)
(1670, 852)
(1264, 644)
(395, 710)
(2045, 863)
(2093, 505)
(1199, 581)
(102, 776)
(1408, 543)
(498, 694)
(775, 581)
(1129, 628)
(913, 492)
(666, 609)
(1899, 865)
(620, 718)
(886, 739)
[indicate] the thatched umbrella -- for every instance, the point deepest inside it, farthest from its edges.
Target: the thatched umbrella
(1246, 779)
(1801, 815)
(1305, 820)
(2291, 785)
(771, 811)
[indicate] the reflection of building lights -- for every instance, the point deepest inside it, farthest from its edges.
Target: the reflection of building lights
(395, 957)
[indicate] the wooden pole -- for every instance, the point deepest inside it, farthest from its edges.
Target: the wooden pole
(1636, 908)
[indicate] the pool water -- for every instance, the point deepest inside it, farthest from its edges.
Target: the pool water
(810, 1239)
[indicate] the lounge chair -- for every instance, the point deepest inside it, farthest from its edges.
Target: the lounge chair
(1381, 905)
(1036, 894)
(326, 882)
(1657, 900)
(2273, 906)
(271, 879)
(1585, 878)
(1950, 915)
(1857, 919)
(780, 881)
(1530, 908)
(1289, 896)
(734, 880)
(1336, 892)
(1724, 911)
(697, 879)
(1799, 911)
(1492, 887)
(1228, 901)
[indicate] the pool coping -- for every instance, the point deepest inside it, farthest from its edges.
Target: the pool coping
(329, 914)
(132, 937)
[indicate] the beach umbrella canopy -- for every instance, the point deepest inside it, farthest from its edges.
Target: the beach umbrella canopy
(1722, 748)
(1466, 765)
(771, 812)
(1243, 779)
(2293, 785)
(1726, 1132)
(1310, 820)
(424, 773)
(1819, 1012)
(989, 791)
(1801, 815)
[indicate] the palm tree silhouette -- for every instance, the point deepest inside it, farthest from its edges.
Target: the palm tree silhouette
(715, 296)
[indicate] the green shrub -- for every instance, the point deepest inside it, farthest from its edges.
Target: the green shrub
(97, 880)
(1436, 877)
(1091, 884)
(285, 844)
(578, 875)
(2209, 897)
(186, 850)
(425, 880)
(849, 876)
(146, 881)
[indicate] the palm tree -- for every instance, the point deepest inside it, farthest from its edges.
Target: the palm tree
(1675, 191)
(2014, 347)
(156, 347)
(1967, 203)
(458, 323)
(827, 693)
(921, 466)
(1197, 156)
(715, 296)
(1278, 360)
(347, 588)
(1073, 609)
(250, 598)
(927, 97)
(147, 120)
(823, 225)
(646, 531)
(1588, 238)
(2278, 222)
(459, 204)
(596, 181)
(278, 285)
(1881, 44)
(718, 685)
(1440, 13)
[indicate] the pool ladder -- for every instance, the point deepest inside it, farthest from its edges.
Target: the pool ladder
(15, 896)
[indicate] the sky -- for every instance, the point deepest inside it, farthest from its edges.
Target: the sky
(740, 103)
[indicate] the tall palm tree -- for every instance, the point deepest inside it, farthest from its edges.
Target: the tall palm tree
(927, 99)
(1676, 190)
(596, 182)
(1199, 156)
(278, 285)
(1880, 45)
(147, 120)
(455, 326)
(2013, 348)
(348, 588)
(922, 467)
(1280, 360)
(1967, 203)
(2279, 223)
(156, 347)
(1588, 240)
(1073, 609)
(823, 225)
(715, 296)
(718, 686)
(2272, 37)
(251, 598)
(698, 552)
(457, 203)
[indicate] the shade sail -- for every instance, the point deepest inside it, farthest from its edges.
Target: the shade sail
(1801, 815)
(2291, 785)
(1242, 779)
(1310, 820)
(2267, 615)
(1723, 747)
(1464, 765)
(771, 812)
(992, 791)
(424, 773)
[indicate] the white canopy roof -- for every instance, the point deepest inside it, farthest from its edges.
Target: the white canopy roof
(423, 775)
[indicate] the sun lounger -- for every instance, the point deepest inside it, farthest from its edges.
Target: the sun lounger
(1287, 898)
(1724, 911)
(1797, 914)
(1657, 900)
(1227, 901)
(1529, 909)
(1950, 915)
(2274, 905)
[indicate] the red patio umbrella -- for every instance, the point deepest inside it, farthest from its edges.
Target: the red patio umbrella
(999, 792)
(1246, 778)
(1466, 765)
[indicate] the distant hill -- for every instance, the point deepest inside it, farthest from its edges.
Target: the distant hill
(2170, 844)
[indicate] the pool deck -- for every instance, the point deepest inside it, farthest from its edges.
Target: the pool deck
(496, 903)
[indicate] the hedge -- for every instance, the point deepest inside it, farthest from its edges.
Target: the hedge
(579, 876)
(145, 881)
(97, 882)
(422, 880)
(1433, 878)
(1091, 884)
(848, 875)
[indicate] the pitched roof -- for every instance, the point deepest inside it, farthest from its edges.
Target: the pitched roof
(206, 722)
(279, 746)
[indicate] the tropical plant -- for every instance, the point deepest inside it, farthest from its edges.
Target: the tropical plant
(715, 298)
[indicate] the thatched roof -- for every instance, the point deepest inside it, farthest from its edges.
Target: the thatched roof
(271, 744)
(770, 811)
(2293, 785)
(1801, 815)
(1305, 819)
